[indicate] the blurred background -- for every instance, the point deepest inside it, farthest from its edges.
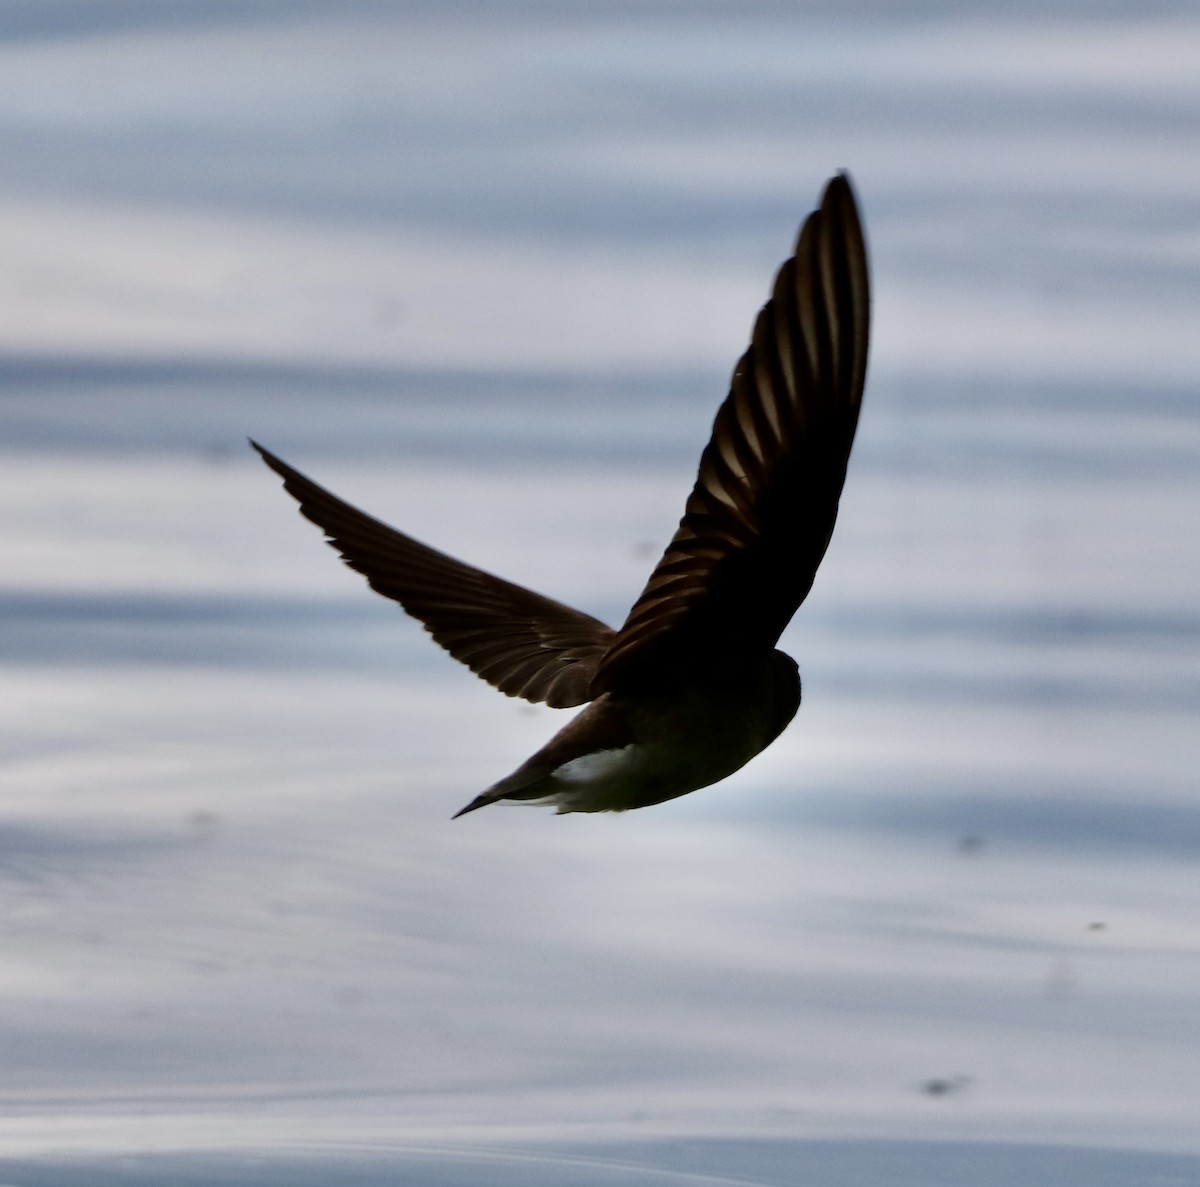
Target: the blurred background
(484, 270)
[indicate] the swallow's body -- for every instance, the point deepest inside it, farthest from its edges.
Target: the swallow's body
(627, 752)
(691, 687)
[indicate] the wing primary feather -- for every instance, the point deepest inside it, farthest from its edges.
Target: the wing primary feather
(759, 517)
(523, 643)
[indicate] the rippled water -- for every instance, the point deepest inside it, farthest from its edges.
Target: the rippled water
(487, 279)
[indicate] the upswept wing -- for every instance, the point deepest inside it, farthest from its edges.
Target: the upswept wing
(518, 641)
(761, 514)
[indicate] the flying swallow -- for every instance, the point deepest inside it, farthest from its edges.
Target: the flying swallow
(691, 687)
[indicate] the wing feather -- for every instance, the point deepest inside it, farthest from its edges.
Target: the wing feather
(524, 644)
(761, 514)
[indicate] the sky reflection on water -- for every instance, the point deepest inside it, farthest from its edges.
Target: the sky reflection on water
(488, 282)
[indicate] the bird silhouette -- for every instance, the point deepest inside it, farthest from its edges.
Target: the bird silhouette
(691, 687)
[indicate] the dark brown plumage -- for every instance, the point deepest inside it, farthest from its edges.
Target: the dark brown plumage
(690, 686)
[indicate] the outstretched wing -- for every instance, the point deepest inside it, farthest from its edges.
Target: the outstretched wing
(762, 511)
(520, 642)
